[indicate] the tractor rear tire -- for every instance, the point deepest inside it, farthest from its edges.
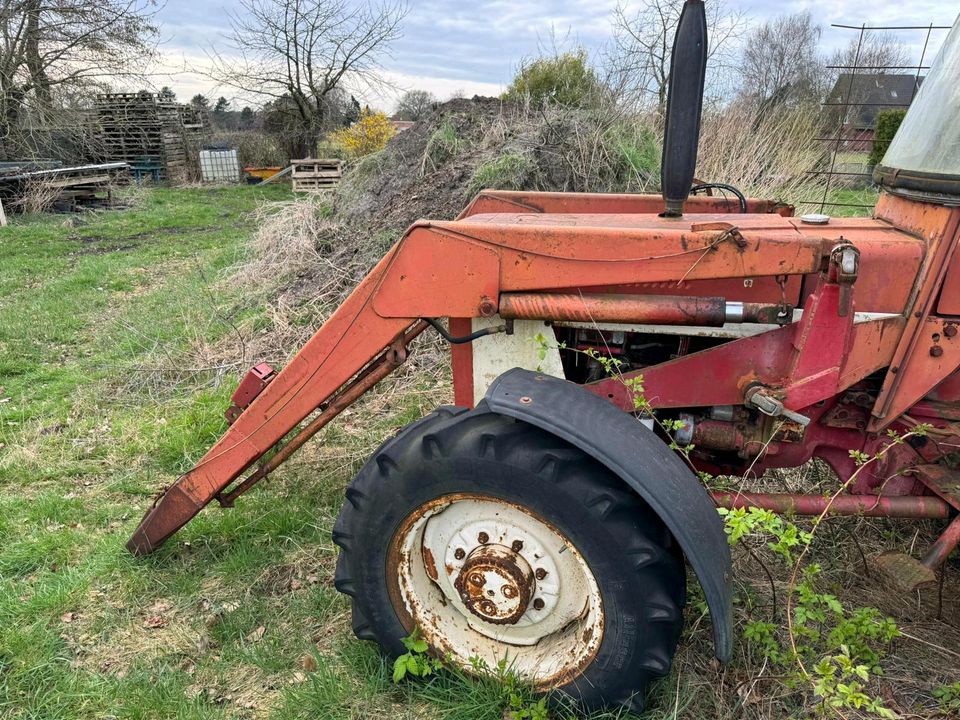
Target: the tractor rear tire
(502, 502)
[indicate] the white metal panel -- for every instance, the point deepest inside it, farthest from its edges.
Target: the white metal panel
(493, 355)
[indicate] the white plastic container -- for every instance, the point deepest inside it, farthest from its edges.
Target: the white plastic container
(220, 165)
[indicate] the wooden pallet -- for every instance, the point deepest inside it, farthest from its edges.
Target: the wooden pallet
(134, 125)
(315, 175)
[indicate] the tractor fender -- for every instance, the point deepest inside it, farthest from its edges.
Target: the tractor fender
(644, 462)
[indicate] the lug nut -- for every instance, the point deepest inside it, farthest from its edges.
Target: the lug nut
(936, 351)
(459, 553)
(540, 573)
(538, 604)
(483, 538)
(517, 546)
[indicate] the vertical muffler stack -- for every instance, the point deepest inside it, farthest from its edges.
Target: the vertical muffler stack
(688, 68)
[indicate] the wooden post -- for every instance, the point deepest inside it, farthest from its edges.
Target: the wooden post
(3, 216)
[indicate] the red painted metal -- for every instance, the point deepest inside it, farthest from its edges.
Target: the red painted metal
(943, 545)
(507, 201)
(924, 506)
(556, 255)
(461, 360)
(252, 385)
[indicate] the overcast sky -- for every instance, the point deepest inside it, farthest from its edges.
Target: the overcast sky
(474, 47)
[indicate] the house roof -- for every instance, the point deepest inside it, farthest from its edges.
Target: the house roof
(869, 94)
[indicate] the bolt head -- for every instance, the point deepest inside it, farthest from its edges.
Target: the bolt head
(540, 573)
(488, 308)
(509, 591)
(950, 330)
(517, 546)
(538, 604)
(483, 538)
(459, 553)
(477, 579)
(936, 351)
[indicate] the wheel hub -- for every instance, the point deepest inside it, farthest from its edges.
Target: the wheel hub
(485, 578)
(496, 584)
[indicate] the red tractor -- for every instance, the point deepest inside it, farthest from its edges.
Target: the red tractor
(539, 520)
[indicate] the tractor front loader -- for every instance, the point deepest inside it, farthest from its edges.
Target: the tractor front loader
(543, 519)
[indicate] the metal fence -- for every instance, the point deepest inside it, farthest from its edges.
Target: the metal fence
(846, 136)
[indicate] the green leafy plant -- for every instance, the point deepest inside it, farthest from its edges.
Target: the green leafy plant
(948, 697)
(563, 79)
(415, 661)
(443, 144)
(888, 122)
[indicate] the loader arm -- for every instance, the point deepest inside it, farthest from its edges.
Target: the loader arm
(457, 269)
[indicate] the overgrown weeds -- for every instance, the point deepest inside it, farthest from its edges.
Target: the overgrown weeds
(510, 171)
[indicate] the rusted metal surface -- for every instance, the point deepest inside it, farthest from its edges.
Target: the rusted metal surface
(495, 583)
(507, 201)
(905, 572)
(651, 309)
(942, 480)
(924, 506)
(525, 600)
(943, 545)
(909, 378)
(286, 401)
(252, 385)
(370, 376)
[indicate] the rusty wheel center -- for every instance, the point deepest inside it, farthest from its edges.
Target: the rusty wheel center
(496, 584)
(482, 577)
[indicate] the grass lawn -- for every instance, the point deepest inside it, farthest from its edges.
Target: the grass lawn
(96, 414)
(110, 386)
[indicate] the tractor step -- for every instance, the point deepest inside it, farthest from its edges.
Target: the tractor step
(906, 572)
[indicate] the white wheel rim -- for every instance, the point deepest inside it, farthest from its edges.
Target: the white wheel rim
(483, 578)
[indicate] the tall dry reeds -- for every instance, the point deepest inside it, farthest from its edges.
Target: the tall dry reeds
(765, 154)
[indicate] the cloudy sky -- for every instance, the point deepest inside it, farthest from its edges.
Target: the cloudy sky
(474, 46)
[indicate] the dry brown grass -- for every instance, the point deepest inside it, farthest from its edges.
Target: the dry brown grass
(765, 155)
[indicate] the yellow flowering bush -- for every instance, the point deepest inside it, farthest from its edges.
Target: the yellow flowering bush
(368, 134)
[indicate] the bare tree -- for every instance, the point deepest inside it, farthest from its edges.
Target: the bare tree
(781, 61)
(638, 63)
(50, 48)
(876, 53)
(415, 104)
(300, 52)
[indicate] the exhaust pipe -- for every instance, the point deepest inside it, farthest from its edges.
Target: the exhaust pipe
(688, 68)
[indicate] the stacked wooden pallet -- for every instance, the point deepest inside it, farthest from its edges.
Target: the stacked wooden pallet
(144, 129)
(66, 188)
(313, 175)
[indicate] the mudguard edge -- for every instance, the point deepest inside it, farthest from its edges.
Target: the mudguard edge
(634, 453)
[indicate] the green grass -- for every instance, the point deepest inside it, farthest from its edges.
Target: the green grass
(112, 383)
(95, 313)
(510, 171)
(237, 616)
